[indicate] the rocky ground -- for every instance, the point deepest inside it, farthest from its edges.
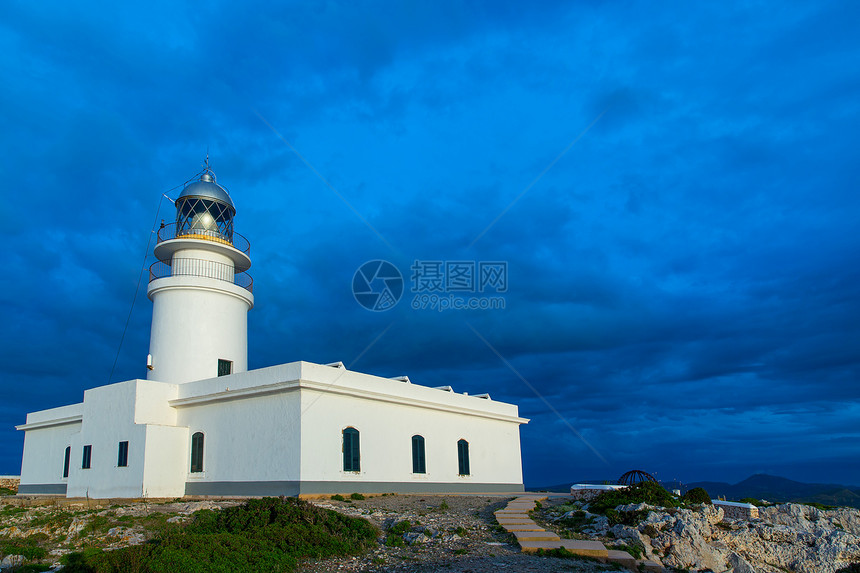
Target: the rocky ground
(789, 537)
(445, 533)
(419, 533)
(425, 534)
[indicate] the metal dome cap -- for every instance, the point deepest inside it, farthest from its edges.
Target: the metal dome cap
(207, 188)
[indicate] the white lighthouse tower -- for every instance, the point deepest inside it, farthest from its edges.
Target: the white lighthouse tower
(199, 289)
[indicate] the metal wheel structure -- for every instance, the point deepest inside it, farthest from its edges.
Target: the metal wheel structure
(635, 476)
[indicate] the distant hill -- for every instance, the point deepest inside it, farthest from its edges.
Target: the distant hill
(778, 489)
(760, 486)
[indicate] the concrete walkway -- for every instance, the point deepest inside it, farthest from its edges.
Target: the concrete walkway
(532, 537)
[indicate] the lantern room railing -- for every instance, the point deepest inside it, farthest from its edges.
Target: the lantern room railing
(201, 268)
(239, 242)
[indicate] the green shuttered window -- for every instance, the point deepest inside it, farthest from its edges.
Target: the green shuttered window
(418, 464)
(351, 451)
(197, 452)
(87, 457)
(463, 457)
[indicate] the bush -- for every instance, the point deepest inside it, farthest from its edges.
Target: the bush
(696, 495)
(266, 534)
(648, 492)
(852, 568)
(338, 497)
(356, 496)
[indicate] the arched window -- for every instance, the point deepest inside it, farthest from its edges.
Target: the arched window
(197, 452)
(463, 457)
(66, 462)
(418, 465)
(351, 451)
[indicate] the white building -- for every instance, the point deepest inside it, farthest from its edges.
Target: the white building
(202, 424)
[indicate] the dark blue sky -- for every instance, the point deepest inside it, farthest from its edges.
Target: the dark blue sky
(683, 280)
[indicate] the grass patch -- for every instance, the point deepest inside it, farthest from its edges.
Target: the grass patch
(268, 534)
(565, 554)
(29, 548)
(11, 511)
(7, 491)
(59, 519)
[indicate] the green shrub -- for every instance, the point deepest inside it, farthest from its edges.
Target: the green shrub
(338, 497)
(400, 527)
(696, 495)
(356, 496)
(266, 534)
(852, 568)
(648, 492)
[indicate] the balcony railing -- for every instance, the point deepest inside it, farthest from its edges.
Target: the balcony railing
(201, 268)
(239, 242)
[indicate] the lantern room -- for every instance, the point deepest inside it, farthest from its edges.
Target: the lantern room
(204, 209)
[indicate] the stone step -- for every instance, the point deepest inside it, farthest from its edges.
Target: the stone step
(503, 521)
(531, 498)
(623, 558)
(652, 566)
(585, 547)
(512, 515)
(533, 546)
(536, 536)
(522, 527)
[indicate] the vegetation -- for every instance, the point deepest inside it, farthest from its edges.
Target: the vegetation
(696, 495)
(356, 496)
(852, 568)
(27, 547)
(756, 502)
(338, 497)
(268, 534)
(648, 492)
(7, 491)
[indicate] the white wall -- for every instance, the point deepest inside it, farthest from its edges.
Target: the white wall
(166, 450)
(253, 439)
(196, 321)
(386, 432)
(44, 454)
(108, 418)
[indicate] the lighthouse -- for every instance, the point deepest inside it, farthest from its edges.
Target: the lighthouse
(199, 288)
(203, 424)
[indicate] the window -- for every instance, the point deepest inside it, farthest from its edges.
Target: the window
(225, 367)
(85, 462)
(66, 462)
(463, 457)
(122, 456)
(418, 465)
(351, 451)
(197, 452)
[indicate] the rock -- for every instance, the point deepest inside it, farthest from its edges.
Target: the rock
(76, 526)
(634, 507)
(11, 561)
(415, 538)
(739, 564)
(177, 519)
